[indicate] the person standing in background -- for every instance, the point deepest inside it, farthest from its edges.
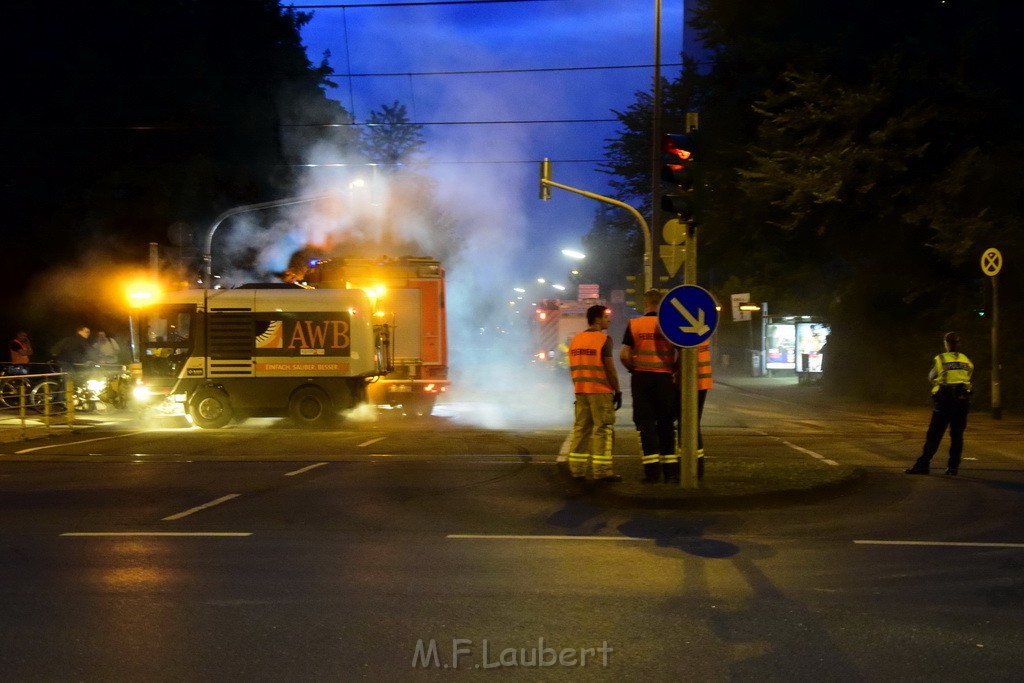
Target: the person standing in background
(21, 349)
(704, 384)
(105, 350)
(951, 390)
(598, 395)
(651, 361)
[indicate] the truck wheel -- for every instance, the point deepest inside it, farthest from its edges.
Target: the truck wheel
(210, 408)
(310, 406)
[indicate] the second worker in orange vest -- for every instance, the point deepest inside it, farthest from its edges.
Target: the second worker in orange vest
(704, 384)
(651, 360)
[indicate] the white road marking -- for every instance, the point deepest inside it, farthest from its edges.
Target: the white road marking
(818, 456)
(72, 443)
(304, 469)
(371, 441)
(949, 544)
(528, 537)
(222, 499)
(209, 534)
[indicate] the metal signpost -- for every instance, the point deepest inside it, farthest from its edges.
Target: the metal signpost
(688, 316)
(991, 264)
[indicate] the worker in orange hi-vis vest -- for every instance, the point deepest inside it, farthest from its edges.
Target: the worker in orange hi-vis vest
(596, 385)
(21, 349)
(704, 384)
(651, 360)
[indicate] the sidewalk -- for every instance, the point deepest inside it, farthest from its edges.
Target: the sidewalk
(14, 428)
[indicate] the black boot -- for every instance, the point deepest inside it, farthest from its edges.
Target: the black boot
(671, 471)
(918, 468)
(652, 473)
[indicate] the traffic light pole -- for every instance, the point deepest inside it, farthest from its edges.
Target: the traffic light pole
(688, 417)
(545, 182)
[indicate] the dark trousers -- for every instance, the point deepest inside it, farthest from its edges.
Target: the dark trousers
(950, 412)
(654, 401)
(702, 395)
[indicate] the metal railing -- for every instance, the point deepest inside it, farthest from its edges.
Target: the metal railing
(34, 393)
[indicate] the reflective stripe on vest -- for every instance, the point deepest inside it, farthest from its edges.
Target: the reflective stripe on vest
(589, 376)
(704, 380)
(651, 351)
(952, 367)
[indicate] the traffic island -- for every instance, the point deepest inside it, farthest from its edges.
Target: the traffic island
(729, 482)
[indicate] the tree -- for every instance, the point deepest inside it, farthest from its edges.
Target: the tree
(133, 116)
(857, 164)
(390, 138)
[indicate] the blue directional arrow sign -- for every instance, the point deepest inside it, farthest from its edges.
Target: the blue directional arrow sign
(688, 316)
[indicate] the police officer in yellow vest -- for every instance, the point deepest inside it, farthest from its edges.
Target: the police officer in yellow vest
(951, 389)
(651, 360)
(596, 384)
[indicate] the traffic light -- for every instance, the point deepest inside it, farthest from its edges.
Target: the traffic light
(678, 171)
(545, 174)
(633, 293)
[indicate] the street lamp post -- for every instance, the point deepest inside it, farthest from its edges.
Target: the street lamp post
(208, 245)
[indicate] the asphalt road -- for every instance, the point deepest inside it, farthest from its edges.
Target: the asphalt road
(407, 549)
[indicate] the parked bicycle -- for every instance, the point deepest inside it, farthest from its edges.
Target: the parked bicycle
(20, 383)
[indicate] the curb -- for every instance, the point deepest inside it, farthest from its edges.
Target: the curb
(634, 495)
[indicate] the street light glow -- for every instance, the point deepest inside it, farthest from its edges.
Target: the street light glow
(560, 288)
(572, 253)
(142, 293)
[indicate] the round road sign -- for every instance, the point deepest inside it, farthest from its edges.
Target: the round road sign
(991, 262)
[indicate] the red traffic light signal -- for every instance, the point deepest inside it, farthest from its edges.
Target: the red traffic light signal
(679, 172)
(680, 146)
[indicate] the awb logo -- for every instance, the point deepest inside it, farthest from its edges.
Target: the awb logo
(304, 336)
(324, 334)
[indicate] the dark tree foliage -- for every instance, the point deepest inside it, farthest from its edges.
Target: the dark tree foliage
(857, 160)
(394, 143)
(125, 117)
(390, 138)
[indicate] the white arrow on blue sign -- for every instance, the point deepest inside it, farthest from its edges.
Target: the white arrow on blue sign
(688, 316)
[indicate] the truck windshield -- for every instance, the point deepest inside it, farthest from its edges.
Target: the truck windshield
(166, 340)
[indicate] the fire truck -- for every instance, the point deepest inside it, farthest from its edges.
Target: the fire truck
(268, 349)
(408, 295)
(555, 323)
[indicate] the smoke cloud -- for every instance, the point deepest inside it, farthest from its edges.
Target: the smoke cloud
(471, 222)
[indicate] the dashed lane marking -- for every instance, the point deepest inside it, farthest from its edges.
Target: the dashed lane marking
(186, 513)
(948, 544)
(817, 456)
(304, 469)
(528, 537)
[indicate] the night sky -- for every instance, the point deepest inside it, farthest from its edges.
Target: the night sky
(419, 55)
